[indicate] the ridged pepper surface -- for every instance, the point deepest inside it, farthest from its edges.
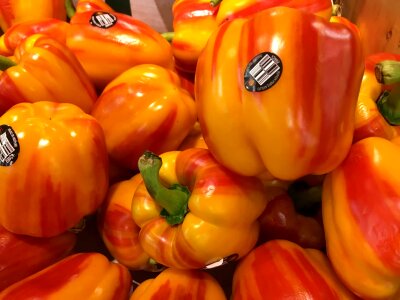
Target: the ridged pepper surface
(194, 213)
(44, 70)
(280, 269)
(21, 256)
(17, 11)
(118, 231)
(173, 284)
(88, 276)
(144, 108)
(273, 98)
(108, 43)
(53, 167)
(360, 201)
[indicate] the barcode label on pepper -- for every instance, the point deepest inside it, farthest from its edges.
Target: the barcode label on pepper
(262, 72)
(9, 146)
(103, 19)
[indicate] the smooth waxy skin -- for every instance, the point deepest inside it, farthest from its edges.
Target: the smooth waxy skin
(80, 276)
(21, 256)
(17, 11)
(107, 52)
(369, 121)
(61, 173)
(145, 108)
(46, 70)
(280, 269)
(301, 125)
(222, 218)
(172, 284)
(360, 204)
(117, 228)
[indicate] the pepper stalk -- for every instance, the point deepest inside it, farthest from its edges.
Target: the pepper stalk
(6, 63)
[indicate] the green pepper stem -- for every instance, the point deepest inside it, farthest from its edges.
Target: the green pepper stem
(215, 2)
(6, 63)
(174, 200)
(388, 71)
(305, 198)
(69, 8)
(389, 105)
(169, 36)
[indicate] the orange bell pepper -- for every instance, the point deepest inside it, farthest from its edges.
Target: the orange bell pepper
(45, 70)
(233, 9)
(283, 100)
(17, 11)
(369, 121)
(281, 269)
(173, 284)
(118, 231)
(194, 139)
(361, 209)
(108, 43)
(53, 167)
(88, 276)
(9, 41)
(21, 256)
(193, 213)
(144, 108)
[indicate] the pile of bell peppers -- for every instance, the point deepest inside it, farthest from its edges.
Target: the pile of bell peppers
(252, 153)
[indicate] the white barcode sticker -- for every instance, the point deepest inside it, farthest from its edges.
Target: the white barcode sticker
(9, 146)
(103, 19)
(262, 72)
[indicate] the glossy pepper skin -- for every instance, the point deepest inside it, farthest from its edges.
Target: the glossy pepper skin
(299, 121)
(108, 43)
(14, 35)
(17, 11)
(57, 171)
(214, 210)
(233, 9)
(21, 256)
(118, 231)
(360, 204)
(369, 120)
(80, 276)
(145, 108)
(193, 23)
(281, 269)
(45, 70)
(172, 284)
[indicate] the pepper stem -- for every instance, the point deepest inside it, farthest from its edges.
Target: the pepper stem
(69, 8)
(173, 200)
(337, 10)
(306, 198)
(6, 63)
(388, 71)
(169, 36)
(389, 105)
(215, 2)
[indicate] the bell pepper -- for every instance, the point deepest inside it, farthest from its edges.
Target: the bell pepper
(21, 256)
(281, 269)
(360, 205)
(194, 213)
(108, 43)
(88, 276)
(118, 230)
(286, 103)
(194, 139)
(172, 284)
(193, 23)
(10, 40)
(144, 108)
(45, 70)
(17, 11)
(233, 9)
(281, 220)
(53, 167)
(369, 120)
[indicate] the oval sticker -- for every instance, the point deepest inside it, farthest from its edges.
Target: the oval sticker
(9, 146)
(103, 20)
